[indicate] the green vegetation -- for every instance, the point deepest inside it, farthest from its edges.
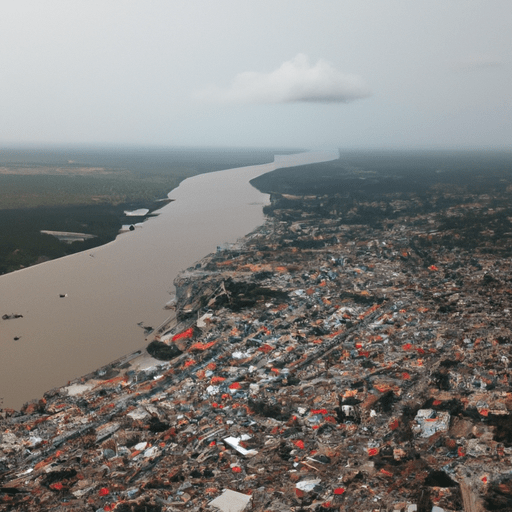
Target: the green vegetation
(357, 174)
(30, 191)
(22, 244)
(87, 191)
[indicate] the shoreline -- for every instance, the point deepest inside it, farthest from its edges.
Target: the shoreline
(139, 359)
(151, 215)
(104, 293)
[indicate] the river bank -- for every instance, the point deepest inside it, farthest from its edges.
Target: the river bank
(110, 289)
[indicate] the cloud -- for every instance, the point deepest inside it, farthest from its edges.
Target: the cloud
(295, 81)
(476, 62)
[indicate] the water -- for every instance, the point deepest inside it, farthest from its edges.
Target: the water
(111, 288)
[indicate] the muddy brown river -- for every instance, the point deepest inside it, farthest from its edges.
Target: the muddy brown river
(111, 288)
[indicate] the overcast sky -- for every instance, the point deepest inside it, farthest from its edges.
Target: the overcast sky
(323, 73)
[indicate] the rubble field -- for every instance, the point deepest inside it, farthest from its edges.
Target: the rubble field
(351, 354)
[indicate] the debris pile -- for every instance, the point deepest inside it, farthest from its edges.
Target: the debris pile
(320, 364)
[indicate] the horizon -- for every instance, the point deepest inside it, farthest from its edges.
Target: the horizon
(65, 146)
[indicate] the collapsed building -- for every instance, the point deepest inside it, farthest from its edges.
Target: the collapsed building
(328, 361)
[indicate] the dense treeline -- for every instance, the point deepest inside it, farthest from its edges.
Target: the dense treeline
(366, 174)
(22, 244)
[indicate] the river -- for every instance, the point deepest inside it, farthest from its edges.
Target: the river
(109, 289)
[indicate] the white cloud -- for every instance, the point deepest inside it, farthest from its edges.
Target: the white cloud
(295, 81)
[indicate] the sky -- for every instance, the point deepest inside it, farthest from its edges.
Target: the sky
(350, 74)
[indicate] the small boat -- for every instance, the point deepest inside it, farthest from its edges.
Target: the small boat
(10, 317)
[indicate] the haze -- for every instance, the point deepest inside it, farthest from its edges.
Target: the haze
(349, 74)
